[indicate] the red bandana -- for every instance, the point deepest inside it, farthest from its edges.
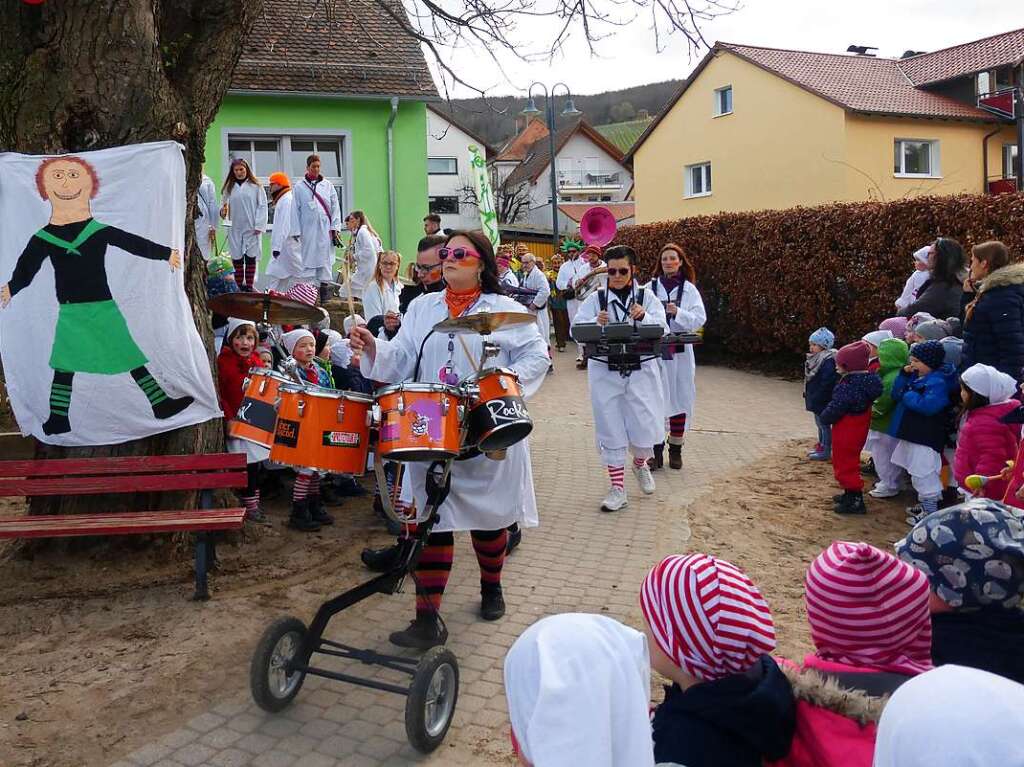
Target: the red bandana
(460, 302)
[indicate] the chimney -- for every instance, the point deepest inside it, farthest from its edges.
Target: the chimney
(521, 121)
(643, 115)
(862, 50)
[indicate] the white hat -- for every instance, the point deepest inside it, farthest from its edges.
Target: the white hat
(234, 324)
(875, 337)
(921, 254)
(347, 324)
(292, 337)
(989, 382)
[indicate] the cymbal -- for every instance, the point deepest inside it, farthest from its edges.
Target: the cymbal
(253, 306)
(483, 323)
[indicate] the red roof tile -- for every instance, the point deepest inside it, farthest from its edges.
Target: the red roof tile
(517, 147)
(1006, 49)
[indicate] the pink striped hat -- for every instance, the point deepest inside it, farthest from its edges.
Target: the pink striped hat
(304, 292)
(867, 608)
(706, 615)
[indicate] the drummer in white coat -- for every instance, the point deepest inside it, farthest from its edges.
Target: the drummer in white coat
(245, 202)
(534, 279)
(285, 256)
(628, 407)
(316, 217)
(206, 218)
(486, 496)
(675, 286)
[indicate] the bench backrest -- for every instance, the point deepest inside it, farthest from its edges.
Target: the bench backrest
(128, 474)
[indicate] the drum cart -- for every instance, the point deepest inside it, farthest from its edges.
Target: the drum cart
(284, 654)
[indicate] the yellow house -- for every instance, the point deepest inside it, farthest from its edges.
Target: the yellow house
(760, 128)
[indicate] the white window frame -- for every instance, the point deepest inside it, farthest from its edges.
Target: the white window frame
(445, 173)
(934, 158)
(706, 180)
(1009, 166)
(718, 101)
(284, 138)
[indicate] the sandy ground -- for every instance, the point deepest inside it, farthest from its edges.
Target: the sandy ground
(87, 634)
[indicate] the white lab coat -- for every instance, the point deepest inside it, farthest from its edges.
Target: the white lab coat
(285, 270)
(509, 278)
(365, 248)
(206, 204)
(569, 275)
(485, 494)
(314, 226)
(377, 301)
(627, 410)
(678, 375)
(535, 280)
(247, 208)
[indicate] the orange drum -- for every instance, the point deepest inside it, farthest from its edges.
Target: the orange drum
(497, 413)
(322, 429)
(257, 414)
(419, 421)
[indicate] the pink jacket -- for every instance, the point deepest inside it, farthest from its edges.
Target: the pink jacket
(985, 445)
(835, 727)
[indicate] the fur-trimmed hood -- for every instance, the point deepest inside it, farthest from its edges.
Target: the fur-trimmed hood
(820, 690)
(1011, 274)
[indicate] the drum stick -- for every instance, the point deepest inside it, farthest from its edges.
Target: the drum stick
(351, 304)
(472, 359)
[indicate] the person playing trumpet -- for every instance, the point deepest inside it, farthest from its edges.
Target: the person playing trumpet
(628, 406)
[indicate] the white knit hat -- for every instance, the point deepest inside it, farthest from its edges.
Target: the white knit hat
(292, 337)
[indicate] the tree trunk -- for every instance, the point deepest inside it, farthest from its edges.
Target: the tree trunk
(77, 75)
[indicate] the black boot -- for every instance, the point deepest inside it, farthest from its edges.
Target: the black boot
(515, 537)
(852, 503)
(675, 456)
(658, 461)
(423, 633)
(328, 496)
(381, 560)
(838, 498)
(301, 519)
(950, 497)
(317, 511)
(492, 603)
(348, 487)
(57, 424)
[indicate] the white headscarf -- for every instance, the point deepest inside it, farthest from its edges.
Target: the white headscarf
(578, 689)
(875, 337)
(292, 337)
(234, 324)
(921, 254)
(989, 382)
(953, 715)
(347, 322)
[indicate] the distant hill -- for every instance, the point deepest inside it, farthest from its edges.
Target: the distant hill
(494, 118)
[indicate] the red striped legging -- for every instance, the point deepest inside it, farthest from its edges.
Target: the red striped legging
(435, 565)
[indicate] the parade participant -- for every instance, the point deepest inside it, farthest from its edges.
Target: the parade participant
(503, 255)
(245, 203)
(381, 297)
(431, 224)
(486, 496)
(428, 269)
(628, 407)
(557, 304)
(285, 268)
(365, 248)
(206, 217)
(237, 357)
(316, 218)
(675, 285)
(534, 279)
(575, 268)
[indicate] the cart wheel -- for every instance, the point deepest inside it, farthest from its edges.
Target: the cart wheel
(431, 702)
(272, 688)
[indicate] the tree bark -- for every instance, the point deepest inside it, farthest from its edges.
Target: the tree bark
(78, 75)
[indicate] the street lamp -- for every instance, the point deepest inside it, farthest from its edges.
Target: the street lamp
(569, 110)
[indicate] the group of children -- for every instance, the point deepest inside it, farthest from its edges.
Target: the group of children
(899, 394)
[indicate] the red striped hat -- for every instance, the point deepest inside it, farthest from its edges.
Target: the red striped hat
(867, 608)
(304, 292)
(706, 615)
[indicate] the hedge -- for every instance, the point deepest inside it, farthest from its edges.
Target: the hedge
(769, 278)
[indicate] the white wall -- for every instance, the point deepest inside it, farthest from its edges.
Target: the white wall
(446, 140)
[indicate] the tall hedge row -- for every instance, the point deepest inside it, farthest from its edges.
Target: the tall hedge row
(768, 278)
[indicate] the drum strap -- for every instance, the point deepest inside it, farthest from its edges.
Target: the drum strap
(602, 298)
(419, 356)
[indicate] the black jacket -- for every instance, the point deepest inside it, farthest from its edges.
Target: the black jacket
(409, 292)
(737, 721)
(818, 388)
(990, 639)
(939, 299)
(994, 333)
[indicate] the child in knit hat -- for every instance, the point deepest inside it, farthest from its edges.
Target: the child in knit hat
(873, 339)
(819, 379)
(893, 355)
(710, 632)
(849, 415)
(986, 442)
(920, 423)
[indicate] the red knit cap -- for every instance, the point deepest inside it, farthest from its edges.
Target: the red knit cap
(595, 249)
(853, 358)
(867, 608)
(706, 615)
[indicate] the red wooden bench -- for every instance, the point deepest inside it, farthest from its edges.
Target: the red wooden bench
(132, 474)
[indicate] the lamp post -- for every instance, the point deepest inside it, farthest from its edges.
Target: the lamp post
(569, 110)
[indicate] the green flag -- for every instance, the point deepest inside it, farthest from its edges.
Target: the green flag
(484, 196)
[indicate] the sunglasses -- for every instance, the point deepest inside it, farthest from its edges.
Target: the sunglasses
(457, 253)
(623, 272)
(425, 267)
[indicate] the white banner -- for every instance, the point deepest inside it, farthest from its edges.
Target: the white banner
(96, 333)
(484, 196)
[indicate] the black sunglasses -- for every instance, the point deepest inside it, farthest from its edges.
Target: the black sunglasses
(624, 271)
(425, 267)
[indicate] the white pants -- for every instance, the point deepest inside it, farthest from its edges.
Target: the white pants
(572, 306)
(881, 447)
(923, 465)
(616, 456)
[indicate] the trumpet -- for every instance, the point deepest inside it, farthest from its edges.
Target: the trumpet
(590, 283)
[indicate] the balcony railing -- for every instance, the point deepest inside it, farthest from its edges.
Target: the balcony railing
(1002, 186)
(584, 180)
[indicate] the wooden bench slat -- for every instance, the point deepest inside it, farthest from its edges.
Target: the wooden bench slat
(77, 525)
(133, 464)
(132, 483)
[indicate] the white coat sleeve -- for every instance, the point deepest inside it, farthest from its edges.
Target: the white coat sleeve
(282, 223)
(589, 308)
(373, 301)
(395, 360)
(690, 314)
(654, 312)
(296, 215)
(562, 280)
(335, 210)
(542, 287)
(262, 211)
(529, 357)
(907, 297)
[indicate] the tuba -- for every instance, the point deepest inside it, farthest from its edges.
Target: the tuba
(597, 227)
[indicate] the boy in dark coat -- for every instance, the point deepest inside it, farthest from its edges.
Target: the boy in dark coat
(819, 379)
(849, 415)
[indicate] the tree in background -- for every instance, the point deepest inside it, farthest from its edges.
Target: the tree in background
(623, 112)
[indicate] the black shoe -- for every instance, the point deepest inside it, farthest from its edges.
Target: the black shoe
(675, 456)
(869, 468)
(347, 487)
(950, 497)
(515, 537)
(301, 519)
(57, 424)
(318, 512)
(422, 634)
(852, 503)
(171, 406)
(838, 498)
(658, 461)
(381, 560)
(492, 604)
